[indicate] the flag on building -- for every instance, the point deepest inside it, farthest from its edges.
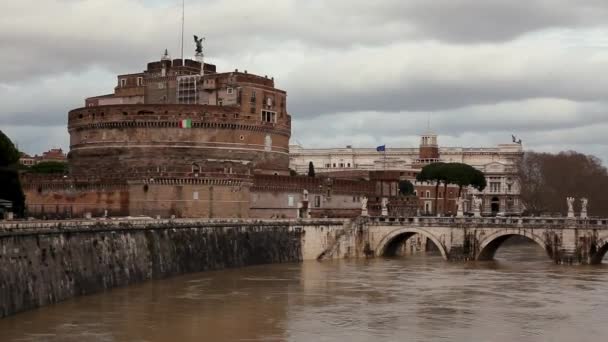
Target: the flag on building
(381, 148)
(187, 123)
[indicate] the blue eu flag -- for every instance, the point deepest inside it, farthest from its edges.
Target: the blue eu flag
(381, 148)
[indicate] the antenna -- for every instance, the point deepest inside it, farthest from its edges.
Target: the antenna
(183, 20)
(428, 122)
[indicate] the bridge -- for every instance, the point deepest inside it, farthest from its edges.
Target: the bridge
(566, 240)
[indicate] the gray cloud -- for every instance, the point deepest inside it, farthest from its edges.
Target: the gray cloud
(357, 72)
(73, 34)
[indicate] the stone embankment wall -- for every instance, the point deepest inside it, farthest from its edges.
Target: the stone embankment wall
(44, 263)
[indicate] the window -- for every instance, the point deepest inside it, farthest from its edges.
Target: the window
(348, 164)
(269, 116)
(290, 201)
(494, 186)
(220, 102)
(334, 164)
(140, 81)
(269, 102)
(123, 82)
(328, 165)
(341, 164)
(196, 169)
(195, 195)
(229, 90)
(317, 201)
(253, 99)
(428, 194)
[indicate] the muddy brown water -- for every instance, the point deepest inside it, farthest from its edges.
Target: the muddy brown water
(521, 296)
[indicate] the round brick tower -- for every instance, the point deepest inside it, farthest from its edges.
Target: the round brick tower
(183, 119)
(130, 140)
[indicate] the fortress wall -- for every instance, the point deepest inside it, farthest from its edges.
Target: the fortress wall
(44, 263)
(120, 138)
(214, 200)
(58, 197)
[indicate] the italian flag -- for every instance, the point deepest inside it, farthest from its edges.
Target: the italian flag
(187, 123)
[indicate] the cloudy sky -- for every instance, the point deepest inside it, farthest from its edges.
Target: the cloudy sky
(357, 72)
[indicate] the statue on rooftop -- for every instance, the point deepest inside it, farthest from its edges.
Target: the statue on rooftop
(199, 44)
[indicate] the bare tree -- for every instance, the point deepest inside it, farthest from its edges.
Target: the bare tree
(547, 179)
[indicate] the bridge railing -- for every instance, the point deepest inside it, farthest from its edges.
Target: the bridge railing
(545, 222)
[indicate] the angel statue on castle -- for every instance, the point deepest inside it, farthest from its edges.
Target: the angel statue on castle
(199, 44)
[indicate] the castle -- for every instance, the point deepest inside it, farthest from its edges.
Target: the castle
(183, 140)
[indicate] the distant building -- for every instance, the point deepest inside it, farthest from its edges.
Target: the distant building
(499, 164)
(54, 155)
(26, 159)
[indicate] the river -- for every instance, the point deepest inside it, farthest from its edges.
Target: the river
(521, 296)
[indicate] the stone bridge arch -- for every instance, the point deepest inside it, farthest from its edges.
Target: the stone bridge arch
(598, 251)
(400, 235)
(491, 243)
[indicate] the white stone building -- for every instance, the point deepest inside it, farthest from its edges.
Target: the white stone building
(498, 163)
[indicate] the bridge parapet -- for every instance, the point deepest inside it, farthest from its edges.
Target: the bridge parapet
(475, 222)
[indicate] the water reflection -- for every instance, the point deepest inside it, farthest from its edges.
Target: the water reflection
(520, 296)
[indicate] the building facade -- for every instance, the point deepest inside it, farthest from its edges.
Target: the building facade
(498, 163)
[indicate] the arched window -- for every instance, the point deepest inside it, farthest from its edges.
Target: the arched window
(195, 168)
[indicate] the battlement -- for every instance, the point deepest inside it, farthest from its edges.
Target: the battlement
(170, 116)
(312, 184)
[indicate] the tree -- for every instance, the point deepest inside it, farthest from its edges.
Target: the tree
(311, 170)
(459, 174)
(9, 155)
(406, 188)
(547, 179)
(10, 188)
(465, 175)
(49, 167)
(432, 173)
(462, 175)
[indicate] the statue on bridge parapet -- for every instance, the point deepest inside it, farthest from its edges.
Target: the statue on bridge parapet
(384, 206)
(364, 206)
(570, 202)
(477, 202)
(584, 202)
(460, 203)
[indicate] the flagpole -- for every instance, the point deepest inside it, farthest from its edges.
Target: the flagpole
(183, 20)
(385, 158)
